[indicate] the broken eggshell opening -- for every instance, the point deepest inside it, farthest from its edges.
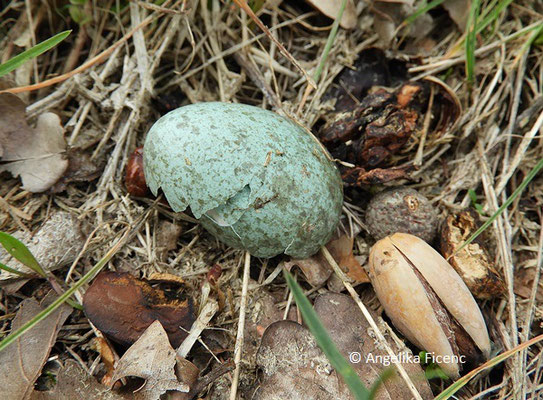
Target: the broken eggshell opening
(254, 179)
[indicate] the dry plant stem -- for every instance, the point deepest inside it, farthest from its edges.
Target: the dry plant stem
(519, 154)
(80, 40)
(532, 304)
(93, 61)
(431, 68)
(241, 326)
(257, 78)
(371, 321)
(208, 311)
(506, 169)
(243, 4)
(504, 248)
(426, 126)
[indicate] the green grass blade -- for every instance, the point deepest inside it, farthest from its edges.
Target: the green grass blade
(33, 52)
(471, 36)
(65, 296)
(20, 252)
(507, 203)
(493, 15)
(357, 388)
(14, 271)
(329, 42)
(422, 10)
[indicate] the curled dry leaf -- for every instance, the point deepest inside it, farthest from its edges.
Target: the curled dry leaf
(21, 362)
(428, 302)
(186, 373)
(153, 359)
(123, 307)
(36, 155)
(56, 244)
(263, 310)
(295, 367)
(473, 263)
(331, 8)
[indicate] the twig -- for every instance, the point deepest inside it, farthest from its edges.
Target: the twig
(208, 311)
(243, 4)
(425, 127)
(241, 326)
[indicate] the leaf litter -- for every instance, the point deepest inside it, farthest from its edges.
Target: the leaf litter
(21, 363)
(34, 154)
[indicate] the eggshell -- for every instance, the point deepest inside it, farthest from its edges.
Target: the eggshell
(256, 180)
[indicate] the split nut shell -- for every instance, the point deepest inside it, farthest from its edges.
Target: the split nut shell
(428, 302)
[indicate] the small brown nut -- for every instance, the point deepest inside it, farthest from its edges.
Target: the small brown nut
(401, 210)
(134, 177)
(473, 262)
(428, 302)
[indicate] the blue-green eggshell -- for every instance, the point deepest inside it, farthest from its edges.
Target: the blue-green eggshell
(254, 179)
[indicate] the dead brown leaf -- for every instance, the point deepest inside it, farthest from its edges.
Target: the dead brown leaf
(153, 359)
(342, 251)
(187, 373)
(21, 363)
(351, 332)
(458, 11)
(295, 367)
(330, 8)
(123, 307)
(80, 169)
(36, 155)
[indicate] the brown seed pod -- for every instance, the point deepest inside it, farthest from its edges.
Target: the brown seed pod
(134, 177)
(401, 210)
(123, 306)
(473, 262)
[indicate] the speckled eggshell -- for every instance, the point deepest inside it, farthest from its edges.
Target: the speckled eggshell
(256, 180)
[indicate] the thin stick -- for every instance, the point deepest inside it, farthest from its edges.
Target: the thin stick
(371, 321)
(243, 5)
(208, 311)
(241, 326)
(425, 127)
